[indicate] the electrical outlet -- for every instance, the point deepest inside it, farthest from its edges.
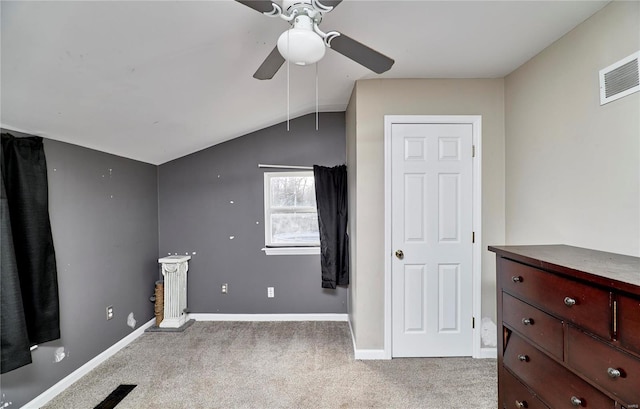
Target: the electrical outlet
(224, 288)
(270, 293)
(109, 312)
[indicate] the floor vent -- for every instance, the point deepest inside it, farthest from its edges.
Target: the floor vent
(620, 79)
(115, 397)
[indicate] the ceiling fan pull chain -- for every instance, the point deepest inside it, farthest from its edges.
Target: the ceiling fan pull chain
(316, 96)
(288, 92)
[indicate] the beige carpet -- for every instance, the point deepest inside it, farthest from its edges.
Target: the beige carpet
(277, 365)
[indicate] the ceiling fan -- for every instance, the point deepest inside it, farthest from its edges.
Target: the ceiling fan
(304, 43)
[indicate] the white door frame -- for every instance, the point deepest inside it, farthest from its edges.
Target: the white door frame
(476, 122)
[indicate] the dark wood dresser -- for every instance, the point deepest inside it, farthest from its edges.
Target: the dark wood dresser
(569, 328)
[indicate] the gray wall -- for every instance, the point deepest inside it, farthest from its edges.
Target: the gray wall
(196, 216)
(104, 214)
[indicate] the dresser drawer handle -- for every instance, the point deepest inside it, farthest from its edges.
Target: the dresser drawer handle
(569, 302)
(516, 279)
(575, 401)
(527, 321)
(523, 358)
(613, 373)
(521, 404)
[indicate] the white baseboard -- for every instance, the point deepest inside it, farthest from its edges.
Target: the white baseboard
(268, 317)
(369, 354)
(364, 354)
(488, 353)
(67, 381)
(353, 337)
(373, 354)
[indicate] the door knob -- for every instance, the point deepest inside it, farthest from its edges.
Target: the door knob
(399, 254)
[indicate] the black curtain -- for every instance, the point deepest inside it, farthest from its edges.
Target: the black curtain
(331, 200)
(29, 305)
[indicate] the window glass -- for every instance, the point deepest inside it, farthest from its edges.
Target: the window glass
(293, 191)
(291, 217)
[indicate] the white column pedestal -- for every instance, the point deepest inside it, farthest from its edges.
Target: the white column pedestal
(174, 270)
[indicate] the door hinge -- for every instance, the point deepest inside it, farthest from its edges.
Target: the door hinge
(473, 151)
(473, 322)
(473, 237)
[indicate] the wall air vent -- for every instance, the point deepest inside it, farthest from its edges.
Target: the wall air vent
(620, 79)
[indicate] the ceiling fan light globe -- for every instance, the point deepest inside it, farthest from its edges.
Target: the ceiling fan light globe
(301, 46)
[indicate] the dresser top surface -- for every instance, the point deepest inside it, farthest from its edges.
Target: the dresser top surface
(600, 267)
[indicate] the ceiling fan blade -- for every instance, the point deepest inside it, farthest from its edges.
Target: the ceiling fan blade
(261, 6)
(361, 54)
(330, 3)
(270, 65)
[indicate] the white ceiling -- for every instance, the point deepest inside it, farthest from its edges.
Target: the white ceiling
(156, 80)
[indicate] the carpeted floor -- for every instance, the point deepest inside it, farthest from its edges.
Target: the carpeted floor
(277, 365)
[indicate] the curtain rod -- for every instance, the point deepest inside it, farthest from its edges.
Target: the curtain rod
(260, 165)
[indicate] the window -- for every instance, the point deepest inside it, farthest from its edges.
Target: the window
(290, 214)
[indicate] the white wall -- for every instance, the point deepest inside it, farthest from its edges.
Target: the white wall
(370, 101)
(573, 166)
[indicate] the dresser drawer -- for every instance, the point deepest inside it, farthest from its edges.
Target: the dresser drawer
(516, 396)
(629, 323)
(536, 325)
(595, 359)
(586, 306)
(551, 382)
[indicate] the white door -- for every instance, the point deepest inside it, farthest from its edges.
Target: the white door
(431, 237)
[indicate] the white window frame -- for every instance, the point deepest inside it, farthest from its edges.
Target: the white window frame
(270, 249)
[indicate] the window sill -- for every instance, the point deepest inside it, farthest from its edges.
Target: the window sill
(290, 251)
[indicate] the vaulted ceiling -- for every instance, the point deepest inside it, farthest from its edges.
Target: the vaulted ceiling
(156, 80)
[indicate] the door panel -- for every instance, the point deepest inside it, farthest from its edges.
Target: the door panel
(414, 207)
(414, 282)
(448, 207)
(431, 200)
(449, 300)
